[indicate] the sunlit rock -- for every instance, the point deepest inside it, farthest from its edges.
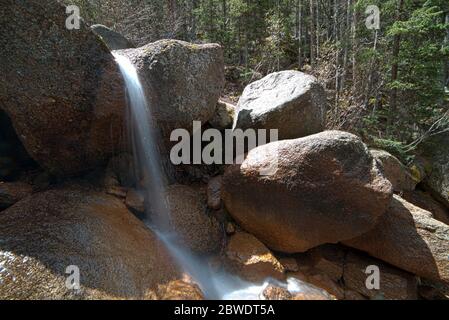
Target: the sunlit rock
(322, 188)
(49, 234)
(251, 260)
(290, 101)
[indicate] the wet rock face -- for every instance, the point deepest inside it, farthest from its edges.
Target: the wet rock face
(121, 170)
(61, 88)
(135, 200)
(117, 256)
(214, 193)
(183, 80)
(290, 101)
(196, 229)
(272, 292)
(179, 290)
(323, 188)
(251, 259)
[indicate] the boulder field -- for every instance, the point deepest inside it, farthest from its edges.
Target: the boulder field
(64, 93)
(325, 188)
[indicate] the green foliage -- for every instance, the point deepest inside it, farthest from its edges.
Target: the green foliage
(396, 148)
(420, 29)
(326, 38)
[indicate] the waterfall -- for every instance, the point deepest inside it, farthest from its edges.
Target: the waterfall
(145, 140)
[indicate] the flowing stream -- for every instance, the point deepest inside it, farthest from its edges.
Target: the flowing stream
(145, 144)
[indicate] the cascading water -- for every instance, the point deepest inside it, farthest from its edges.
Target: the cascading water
(145, 144)
(144, 138)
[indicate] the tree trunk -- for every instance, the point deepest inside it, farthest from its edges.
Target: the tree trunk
(354, 51)
(446, 63)
(337, 49)
(312, 32)
(395, 66)
(371, 71)
(172, 17)
(225, 16)
(193, 20)
(299, 33)
(317, 30)
(337, 54)
(346, 44)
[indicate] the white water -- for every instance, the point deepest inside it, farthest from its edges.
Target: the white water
(144, 136)
(145, 142)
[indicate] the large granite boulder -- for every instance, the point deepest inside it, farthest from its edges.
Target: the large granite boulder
(113, 39)
(60, 87)
(348, 268)
(183, 80)
(409, 238)
(394, 284)
(290, 101)
(398, 174)
(224, 116)
(436, 151)
(117, 256)
(322, 188)
(425, 201)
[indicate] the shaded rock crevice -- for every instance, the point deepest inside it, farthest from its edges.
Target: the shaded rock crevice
(14, 159)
